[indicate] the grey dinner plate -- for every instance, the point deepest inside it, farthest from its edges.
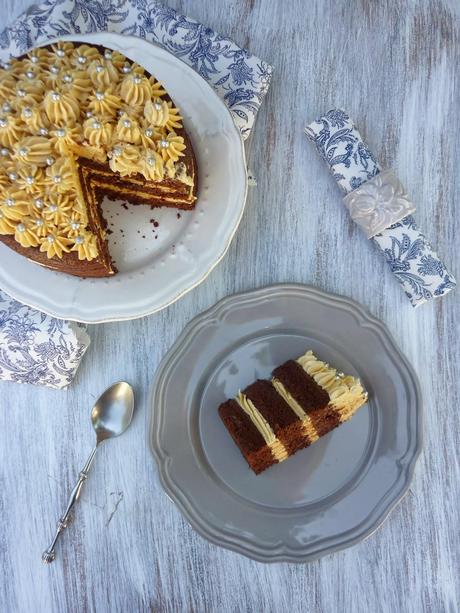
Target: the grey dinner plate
(326, 497)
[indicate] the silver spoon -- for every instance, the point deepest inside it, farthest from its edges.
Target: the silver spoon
(111, 415)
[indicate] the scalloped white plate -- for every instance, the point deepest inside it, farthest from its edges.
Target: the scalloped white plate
(326, 497)
(160, 255)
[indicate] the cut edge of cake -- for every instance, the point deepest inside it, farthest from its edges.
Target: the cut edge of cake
(270, 420)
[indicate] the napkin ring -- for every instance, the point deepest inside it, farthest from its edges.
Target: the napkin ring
(379, 203)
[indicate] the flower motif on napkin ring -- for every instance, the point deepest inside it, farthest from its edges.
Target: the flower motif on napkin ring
(379, 203)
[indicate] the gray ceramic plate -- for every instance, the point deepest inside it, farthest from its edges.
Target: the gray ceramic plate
(324, 498)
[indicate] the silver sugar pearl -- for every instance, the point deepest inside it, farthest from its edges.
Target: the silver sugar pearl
(164, 144)
(60, 132)
(55, 96)
(27, 112)
(43, 132)
(50, 239)
(38, 203)
(100, 95)
(126, 123)
(126, 68)
(157, 106)
(21, 227)
(120, 112)
(60, 52)
(4, 151)
(21, 93)
(54, 69)
(97, 125)
(151, 161)
(13, 176)
(6, 108)
(39, 223)
(30, 74)
(57, 179)
(116, 151)
(75, 225)
(34, 59)
(99, 69)
(107, 54)
(30, 180)
(3, 122)
(52, 208)
(137, 80)
(67, 78)
(148, 132)
(9, 201)
(81, 59)
(23, 152)
(79, 240)
(89, 114)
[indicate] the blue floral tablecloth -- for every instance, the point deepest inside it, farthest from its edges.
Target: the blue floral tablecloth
(36, 348)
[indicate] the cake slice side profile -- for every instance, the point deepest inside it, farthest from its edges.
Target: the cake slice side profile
(270, 420)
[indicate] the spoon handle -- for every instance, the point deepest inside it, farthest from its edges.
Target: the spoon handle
(49, 555)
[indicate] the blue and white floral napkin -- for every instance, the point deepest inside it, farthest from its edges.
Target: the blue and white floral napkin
(36, 348)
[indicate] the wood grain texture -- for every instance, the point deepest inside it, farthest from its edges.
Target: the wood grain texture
(394, 66)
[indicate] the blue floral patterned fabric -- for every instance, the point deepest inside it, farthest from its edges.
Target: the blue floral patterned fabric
(239, 78)
(410, 256)
(36, 348)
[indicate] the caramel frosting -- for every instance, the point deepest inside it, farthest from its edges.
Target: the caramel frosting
(68, 101)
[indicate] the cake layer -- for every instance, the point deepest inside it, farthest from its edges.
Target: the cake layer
(304, 400)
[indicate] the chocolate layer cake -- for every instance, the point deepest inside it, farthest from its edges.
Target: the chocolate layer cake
(77, 123)
(304, 400)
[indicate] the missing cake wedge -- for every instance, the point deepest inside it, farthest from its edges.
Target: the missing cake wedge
(304, 400)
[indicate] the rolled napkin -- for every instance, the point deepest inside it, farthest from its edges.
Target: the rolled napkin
(36, 348)
(379, 204)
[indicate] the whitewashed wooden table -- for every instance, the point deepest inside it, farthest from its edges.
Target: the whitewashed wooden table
(394, 66)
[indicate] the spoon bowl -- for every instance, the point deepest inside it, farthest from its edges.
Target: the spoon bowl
(113, 411)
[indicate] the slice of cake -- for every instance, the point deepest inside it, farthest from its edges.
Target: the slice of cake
(304, 400)
(78, 123)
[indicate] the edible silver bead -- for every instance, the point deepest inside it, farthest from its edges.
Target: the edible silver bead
(67, 78)
(60, 53)
(10, 201)
(30, 74)
(3, 123)
(55, 96)
(157, 106)
(50, 239)
(23, 151)
(39, 223)
(6, 108)
(79, 240)
(81, 59)
(116, 151)
(34, 59)
(99, 69)
(52, 208)
(27, 112)
(30, 180)
(75, 225)
(126, 123)
(107, 55)
(38, 203)
(54, 69)
(43, 132)
(126, 68)
(57, 179)
(164, 144)
(21, 93)
(60, 132)
(13, 176)
(21, 227)
(97, 125)
(148, 132)
(89, 114)
(151, 161)
(4, 151)
(137, 80)
(100, 95)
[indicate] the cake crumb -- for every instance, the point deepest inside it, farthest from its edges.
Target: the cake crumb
(125, 206)
(179, 215)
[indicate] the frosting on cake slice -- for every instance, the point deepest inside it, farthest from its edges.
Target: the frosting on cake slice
(305, 399)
